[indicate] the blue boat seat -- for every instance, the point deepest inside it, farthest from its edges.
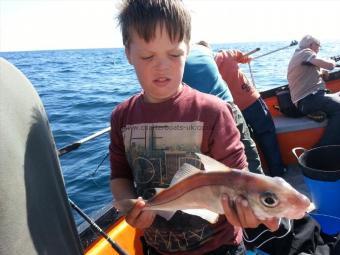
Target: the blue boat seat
(285, 124)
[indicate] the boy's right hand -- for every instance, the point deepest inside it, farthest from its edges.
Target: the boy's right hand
(138, 218)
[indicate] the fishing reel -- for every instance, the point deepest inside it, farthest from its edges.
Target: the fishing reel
(294, 42)
(335, 58)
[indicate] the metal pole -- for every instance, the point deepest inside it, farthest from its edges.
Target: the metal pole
(252, 51)
(76, 145)
(114, 245)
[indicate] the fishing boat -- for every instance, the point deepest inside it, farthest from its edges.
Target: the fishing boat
(291, 133)
(296, 132)
(107, 232)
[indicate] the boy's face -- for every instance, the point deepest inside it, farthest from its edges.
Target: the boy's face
(159, 65)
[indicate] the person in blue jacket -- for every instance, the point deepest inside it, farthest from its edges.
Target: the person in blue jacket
(201, 73)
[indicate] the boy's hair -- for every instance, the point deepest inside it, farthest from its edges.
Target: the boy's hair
(143, 16)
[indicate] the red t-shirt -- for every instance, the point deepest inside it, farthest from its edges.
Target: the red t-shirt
(150, 141)
(242, 90)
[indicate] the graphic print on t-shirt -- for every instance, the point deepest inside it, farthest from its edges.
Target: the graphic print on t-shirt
(155, 152)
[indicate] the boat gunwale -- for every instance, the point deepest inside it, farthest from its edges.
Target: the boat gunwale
(272, 92)
(108, 215)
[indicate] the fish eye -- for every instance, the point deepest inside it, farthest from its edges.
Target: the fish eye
(269, 199)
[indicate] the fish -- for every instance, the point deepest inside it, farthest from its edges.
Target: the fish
(199, 192)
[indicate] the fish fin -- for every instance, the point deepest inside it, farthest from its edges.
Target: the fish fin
(205, 214)
(158, 190)
(211, 164)
(311, 207)
(166, 214)
(124, 205)
(184, 171)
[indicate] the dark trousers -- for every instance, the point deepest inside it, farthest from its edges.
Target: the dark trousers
(229, 250)
(259, 119)
(330, 104)
(223, 250)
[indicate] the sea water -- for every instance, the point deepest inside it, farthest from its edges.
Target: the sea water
(79, 89)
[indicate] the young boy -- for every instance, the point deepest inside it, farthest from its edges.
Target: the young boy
(156, 131)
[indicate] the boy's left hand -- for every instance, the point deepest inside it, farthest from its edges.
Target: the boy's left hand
(242, 215)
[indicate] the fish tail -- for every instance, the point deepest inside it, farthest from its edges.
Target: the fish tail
(124, 205)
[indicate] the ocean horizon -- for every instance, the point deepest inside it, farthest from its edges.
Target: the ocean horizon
(81, 87)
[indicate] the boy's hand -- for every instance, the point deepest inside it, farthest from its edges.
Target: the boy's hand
(242, 215)
(138, 218)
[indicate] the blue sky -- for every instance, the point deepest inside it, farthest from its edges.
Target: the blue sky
(67, 24)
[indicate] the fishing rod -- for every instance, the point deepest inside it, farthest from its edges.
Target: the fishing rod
(114, 245)
(294, 42)
(252, 51)
(77, 144)
(251, 72)
(336, 59)
(72, 147)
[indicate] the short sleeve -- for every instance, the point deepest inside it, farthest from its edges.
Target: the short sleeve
(119, 165)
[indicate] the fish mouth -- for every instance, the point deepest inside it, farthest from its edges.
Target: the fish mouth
(296, 215)
(297, 212)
